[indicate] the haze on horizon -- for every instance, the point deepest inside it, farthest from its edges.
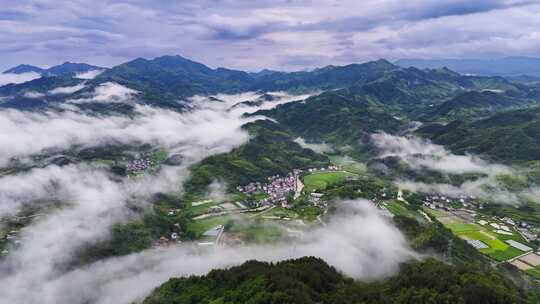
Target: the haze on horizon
(252, 35)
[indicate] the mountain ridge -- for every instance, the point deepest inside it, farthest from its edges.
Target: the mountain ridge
(65, 69)
(506, 66)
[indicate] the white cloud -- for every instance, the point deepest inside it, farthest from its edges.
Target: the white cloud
(370, 247)
(108, 92)
(67, 90)
(210, 127)
(287, 35)
(317, 147)
(486, 188)
(92, 201)
(17, 78)
(33, 94)
(89, 75)
(420, 153)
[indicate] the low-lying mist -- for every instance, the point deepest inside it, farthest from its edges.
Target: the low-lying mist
(92, 199)
(421, 154)
(357, 240)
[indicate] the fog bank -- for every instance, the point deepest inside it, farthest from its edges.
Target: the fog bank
(358, 241)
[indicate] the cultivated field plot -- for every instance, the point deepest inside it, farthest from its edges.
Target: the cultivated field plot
(321, 180)
(531, 259)
(497, 248)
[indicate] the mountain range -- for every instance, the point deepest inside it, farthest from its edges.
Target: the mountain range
(356, 99)
(64, 69)
(507, 66)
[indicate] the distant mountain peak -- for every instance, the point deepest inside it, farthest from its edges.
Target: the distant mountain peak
(507, 66)
(65, 69)
(23, 68)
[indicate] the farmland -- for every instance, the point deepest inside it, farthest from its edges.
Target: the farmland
(497, 249)
(321, 180)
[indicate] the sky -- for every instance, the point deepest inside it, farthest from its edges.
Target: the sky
(256, 34)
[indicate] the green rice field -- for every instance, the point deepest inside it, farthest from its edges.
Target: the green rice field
(321, 180)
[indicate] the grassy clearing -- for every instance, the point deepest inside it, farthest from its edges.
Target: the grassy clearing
(356, 168)
(259, 233)
(435, 213)
(281, 212)
(201, 226)
(308, 213)
(159, 155)
(398, 208)
(460, 228)
(200, 209)
(321, 180)
(349, 165)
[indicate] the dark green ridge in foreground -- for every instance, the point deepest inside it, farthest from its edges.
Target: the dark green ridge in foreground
(311, 280)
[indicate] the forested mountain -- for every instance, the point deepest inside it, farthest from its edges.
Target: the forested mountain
(348, 116)
(270, 151)
(174, 77)
(508, 66)
(311, 280)
(70, 69)
(329, 77)
(166, 80)
(64, 69)
(21, 96)
(473, 105)
(177, 77)
(512, 136)
(23, 68)
(340, 117)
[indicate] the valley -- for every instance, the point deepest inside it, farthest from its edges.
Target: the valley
(130, 167)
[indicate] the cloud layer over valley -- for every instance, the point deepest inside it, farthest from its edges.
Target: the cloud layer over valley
(420, 154)
(17, 78)
(79, 203)
(370, 247)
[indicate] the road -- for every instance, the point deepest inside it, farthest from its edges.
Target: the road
(299, 187)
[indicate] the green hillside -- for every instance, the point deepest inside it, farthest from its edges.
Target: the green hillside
(512, 136)
(270, 151)
(311, 280)
(338, 117)
(473, 105)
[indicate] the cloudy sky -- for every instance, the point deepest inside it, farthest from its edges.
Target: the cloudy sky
(255, 34)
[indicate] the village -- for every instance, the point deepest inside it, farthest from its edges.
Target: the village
(260, 199)
(140, 164)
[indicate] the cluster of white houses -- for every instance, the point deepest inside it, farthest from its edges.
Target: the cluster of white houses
(329, 168)
(434, 201)
(139, 164)
(278, 187)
